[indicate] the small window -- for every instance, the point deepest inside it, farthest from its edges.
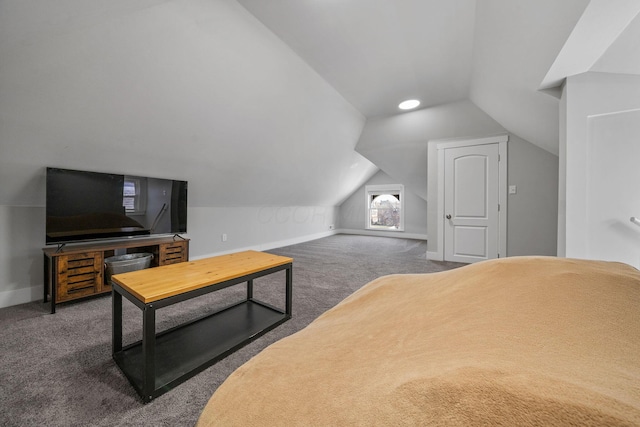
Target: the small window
(385, 207)
(134, 197)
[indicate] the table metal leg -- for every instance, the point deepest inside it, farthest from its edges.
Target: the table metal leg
(116, 320)
(289, 291)
(249, 289)
(46, 279)
(52, 271)
(149, 351)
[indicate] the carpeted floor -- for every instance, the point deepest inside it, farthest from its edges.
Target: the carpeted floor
(57, 370)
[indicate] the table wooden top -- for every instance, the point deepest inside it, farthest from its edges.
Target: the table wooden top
(153, 284)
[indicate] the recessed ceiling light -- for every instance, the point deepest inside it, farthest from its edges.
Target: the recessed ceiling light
(409, 104)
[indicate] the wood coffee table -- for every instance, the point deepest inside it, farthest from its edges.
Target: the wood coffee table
(161, 361)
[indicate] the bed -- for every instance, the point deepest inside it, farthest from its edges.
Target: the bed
(514, 341)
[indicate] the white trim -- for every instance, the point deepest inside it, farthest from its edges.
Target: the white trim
(271, 245)
(390, 188)
(440, 229)
(466, 142)
(289, 242)
(434, 256)
(382, 233)
(503, 178)
(20, 296)
(442, 145)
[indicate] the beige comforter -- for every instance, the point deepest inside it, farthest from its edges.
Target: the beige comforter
(515, 341)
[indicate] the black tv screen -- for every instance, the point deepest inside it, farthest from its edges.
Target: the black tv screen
(83, 205)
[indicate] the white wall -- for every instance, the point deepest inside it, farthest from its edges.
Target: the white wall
(21, 260)
(601, 162)
(562, 176)
(259, 228)
(353, 212)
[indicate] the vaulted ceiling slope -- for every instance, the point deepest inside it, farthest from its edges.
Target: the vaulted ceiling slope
(525, 49)
(516, 43)
(188, 89)
(606, 39)
(377, 53)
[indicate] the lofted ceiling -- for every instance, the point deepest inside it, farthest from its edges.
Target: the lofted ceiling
(267, 102)
(377, 53)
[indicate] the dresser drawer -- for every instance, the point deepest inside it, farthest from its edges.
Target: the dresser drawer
(172, 253)
(79, 275)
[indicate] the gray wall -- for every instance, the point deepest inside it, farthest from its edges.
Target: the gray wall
(352, 213)
(532, 224)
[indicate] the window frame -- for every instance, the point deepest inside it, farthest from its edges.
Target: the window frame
(372, 191)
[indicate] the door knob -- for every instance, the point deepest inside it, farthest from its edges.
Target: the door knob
(448, 217)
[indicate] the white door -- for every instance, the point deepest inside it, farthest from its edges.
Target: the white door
(471, 203)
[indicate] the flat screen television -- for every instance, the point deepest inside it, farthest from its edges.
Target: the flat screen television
(83, 205)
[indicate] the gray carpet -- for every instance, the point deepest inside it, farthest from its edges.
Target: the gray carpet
(57, 370)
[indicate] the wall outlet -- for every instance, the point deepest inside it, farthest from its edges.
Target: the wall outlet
(332, 227)
(513, 189)
(224, 237)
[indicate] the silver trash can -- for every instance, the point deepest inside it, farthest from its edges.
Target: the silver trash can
(126, 263)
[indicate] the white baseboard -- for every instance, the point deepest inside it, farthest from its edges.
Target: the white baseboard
(302, 239)
(271, 245)
(396, 234)
(21, 295)
(434, 256)
(295, 241)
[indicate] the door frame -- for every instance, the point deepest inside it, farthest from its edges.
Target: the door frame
(442, 145)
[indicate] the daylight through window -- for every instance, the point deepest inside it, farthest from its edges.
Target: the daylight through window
(385, 207)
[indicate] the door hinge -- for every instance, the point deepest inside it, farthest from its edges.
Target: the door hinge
(498, 157)
(498, 207)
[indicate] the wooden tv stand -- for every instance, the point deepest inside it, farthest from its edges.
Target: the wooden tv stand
(77, 271)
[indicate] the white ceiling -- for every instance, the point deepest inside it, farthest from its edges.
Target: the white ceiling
(606, 39)
(377, 53)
